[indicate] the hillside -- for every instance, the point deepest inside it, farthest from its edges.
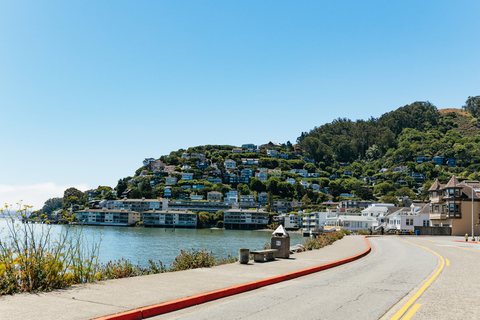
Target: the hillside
(396, 155)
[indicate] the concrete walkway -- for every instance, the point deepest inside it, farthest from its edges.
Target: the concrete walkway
(116, 296)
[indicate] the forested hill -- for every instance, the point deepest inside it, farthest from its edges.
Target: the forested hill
(396, 155)
(417, 129)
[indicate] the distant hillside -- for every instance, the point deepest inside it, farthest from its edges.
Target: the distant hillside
(388, 158)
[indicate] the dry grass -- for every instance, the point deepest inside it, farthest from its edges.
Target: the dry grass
(455, 110)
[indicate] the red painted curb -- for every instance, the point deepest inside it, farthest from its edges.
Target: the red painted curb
(464, 241)
(128, 315)
(169, 306)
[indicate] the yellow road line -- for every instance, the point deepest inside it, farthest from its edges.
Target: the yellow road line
(455, 246)
(412, 311)
(400, 313)
(448, 262)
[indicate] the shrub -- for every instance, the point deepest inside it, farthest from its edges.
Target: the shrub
(192, 259)
(34, 258)
(323, 240)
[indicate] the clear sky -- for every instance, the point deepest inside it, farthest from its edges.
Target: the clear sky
(88, 89)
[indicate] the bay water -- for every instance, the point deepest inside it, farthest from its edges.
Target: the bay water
(139, 245)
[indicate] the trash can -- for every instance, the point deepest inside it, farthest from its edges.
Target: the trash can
(244, 255)
(417, 232)
(281, 241)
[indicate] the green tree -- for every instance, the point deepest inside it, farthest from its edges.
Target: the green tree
(257, 185)
(472, 105)
(73, 196)
(405, 192)
(51, 205)
(121, 186)
(243, 189)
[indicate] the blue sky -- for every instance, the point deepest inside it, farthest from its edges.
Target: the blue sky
(88, 89)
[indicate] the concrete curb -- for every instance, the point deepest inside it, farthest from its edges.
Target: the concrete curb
(174, 305)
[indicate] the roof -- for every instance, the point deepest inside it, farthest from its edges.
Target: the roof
(435, 186)
(467, 189)
(452, 183)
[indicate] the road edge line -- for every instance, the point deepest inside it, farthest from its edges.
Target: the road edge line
(420, 291)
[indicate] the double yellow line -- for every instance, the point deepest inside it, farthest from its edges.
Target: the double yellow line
(410, 302)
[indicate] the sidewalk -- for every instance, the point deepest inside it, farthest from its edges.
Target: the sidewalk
(116, 296)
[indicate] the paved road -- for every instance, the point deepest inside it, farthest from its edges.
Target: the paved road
(365, 289)
(455, 293)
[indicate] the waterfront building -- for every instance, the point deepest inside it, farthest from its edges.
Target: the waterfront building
(407, 218)
(183, 219)
(356, 223)
(137, 204)
(315, 220)
(197, 206)
(245, 219)
(291, 220)
(106, 217)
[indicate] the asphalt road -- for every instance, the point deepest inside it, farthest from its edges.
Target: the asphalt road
(365, 289)
(455, 293)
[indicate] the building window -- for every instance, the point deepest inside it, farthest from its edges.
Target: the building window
(425, 223)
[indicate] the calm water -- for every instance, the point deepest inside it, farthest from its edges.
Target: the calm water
(141, 244)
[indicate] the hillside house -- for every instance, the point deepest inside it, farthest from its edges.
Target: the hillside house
(453, 204)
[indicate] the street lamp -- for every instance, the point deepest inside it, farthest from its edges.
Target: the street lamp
(473, 194)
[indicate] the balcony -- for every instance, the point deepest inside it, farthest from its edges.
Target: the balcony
(435, 200)
(438, 216)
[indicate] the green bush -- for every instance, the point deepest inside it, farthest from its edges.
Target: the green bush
(34, 258)
(192, 259)
(323, 240)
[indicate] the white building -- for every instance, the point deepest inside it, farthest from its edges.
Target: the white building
(231, 196)
(407, 219)
(316, 220)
